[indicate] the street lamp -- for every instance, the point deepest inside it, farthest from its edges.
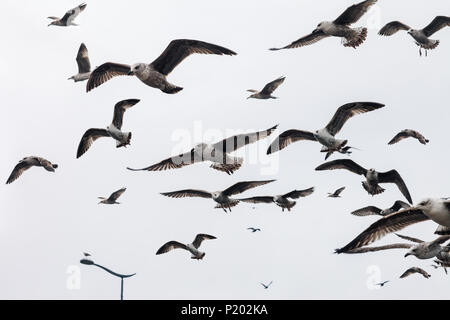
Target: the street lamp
(90, 262)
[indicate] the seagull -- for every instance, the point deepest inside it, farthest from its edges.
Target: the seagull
(191, 247)
(84, 66)
(413, 270)
(336, 194)
(221, 197)
(372, 210)
(253, 230)
(381, 284)
(266, 286)
(266, 92)
(408, 133)
(68, 18)
(154, 74)
(437, 210)
(281, 200)
(326, 136)
(351, 37)
(420, 36)
(217, 153)
(113, 197)
(113, 130)
(28, 162)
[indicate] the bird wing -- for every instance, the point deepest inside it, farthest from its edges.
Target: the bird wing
(440, 240)
(188, 193)
(199, 239)
(413, 270)
(385, 247)
(367, 211)
(345, 112)
(235, 142)
(391, 223)
(343, 164)
(73, 13)
(178, 50)
(243, 186)
(83, 62)
(272, 86)
(260, 199)
(179, 161)
(115, 195)
(304, 41)
(392, 28)
(88, 138)
(18, 170)
(299, 193)
(288, 137)
(170, 246)
(338, 191)
(400, 205)
(119, 110)
(105, 72)
(399, 136)
(393, 176)
(409, 238)
(353, 13)
(437, 24)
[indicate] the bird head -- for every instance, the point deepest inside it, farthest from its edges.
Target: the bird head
(136, 68)
(320, 27)
(424, 204)
(412, 252)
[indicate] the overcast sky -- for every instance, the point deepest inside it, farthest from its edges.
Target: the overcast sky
(47, 220)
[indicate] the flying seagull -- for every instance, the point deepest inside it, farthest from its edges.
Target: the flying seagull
(28, 162)
(408, 133)
(372, 210)
(337, 193)
(413, 270)
(326, 136)
(112, 199)
(351, 37)
(266, 92)
(266, 286)
(84, 66)
(217, 153)
(437, 210)
(114, 130)
(381, 284)
(191, 247)
(68, 18)
(222, 198)
(253, 230)
(154, 74)
(422, 36)
(281, 200)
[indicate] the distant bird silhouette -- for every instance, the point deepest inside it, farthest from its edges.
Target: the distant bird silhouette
(337, 193)
(84, 65)
(28, 162)
(86, 254)
(372, 210)
(266, 92)
(112, 199)
(253, 230)
(191, 247)
(266, 286)
(67, 19)
(413, 270)
(408, 133)
(381, 284)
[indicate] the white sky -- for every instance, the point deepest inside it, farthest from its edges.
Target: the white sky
(48, 220)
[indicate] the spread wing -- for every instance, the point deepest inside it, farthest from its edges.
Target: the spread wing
(393, 176)
(170, 246)
(299, 193)
(115, 195)
(345, 112)
(304, 41)
(272, 86)
(18, 170)
(119, 110)
(88, 138)
(262, 199)
(367, 211)
(391, 223)
(409, 238)
(187, 193)
(288, 137)
(400, 205)
(413, 270)
(178, 50)
(398, 137)
(179, 161)
(83, 59)
(199, 239)
(437, 24)
(243, 186)
(392, 28)
(380, 248)
(105, 72)
(343, 164)
(353, 13)
(440, 240)
(409, 133)
(73, 13)
(338, 191)
(235, 142)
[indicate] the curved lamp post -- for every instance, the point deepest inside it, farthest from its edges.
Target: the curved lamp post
(121, 276)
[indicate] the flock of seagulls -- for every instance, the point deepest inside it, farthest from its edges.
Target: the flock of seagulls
(154, 74)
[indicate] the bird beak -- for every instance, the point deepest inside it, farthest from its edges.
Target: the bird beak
(408, 254)
(130, 73)
(315, 31)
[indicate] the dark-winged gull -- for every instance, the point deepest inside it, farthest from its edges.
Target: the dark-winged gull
(253, 230)
(351, 37)
(67, 19)
(28, 162)
(112, 199)
(266, 286)
(326, 136)
(281, 200)
(191, 247)
(437, 210)
(381, 284)
(372, 210)
(84, 66)
(421, 36)
(336, 193)
(373, 177)
(407, 133)
(266, 92)
(114, 130)
(154, 74)
(413, 270)
(217, 153)
(222, 198)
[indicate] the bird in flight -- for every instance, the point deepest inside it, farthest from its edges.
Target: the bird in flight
(112, 199)
(337, 193)
(84, 65)
(253, 230)
(372, 210)
(381, 284)
(340, 27)
(266, 92)
(407, 133)
(191, 247)
(28, 162)
(266, 286)
(413, 270)
(67, 19)
(154, 74)
(114, 130)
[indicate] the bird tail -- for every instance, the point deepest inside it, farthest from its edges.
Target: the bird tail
(124, 142)
(171, 89)
(429, 46)
(376, 190)
(358, 36)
